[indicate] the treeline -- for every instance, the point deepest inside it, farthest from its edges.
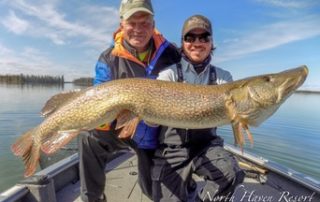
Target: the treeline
(83, 81)
(308, 91)
(31, 79)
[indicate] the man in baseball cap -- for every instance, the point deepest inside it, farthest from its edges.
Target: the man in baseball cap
(139, 51)
(130, 7)
(196, 21)
(184, 152)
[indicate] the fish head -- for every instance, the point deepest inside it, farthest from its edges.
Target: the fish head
(259, 97)
(274, 89)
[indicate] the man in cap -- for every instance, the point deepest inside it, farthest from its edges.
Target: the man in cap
(182, 152)
(139, 51)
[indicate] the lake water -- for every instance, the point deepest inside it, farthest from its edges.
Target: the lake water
(291, 136)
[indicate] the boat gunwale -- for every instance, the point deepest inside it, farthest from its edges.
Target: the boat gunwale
(14, 193)
(19, 190)
(296, 176)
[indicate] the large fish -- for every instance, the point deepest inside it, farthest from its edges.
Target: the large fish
(240, 103)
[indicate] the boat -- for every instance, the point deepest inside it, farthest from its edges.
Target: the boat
(265, 181)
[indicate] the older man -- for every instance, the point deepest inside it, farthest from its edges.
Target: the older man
(139, 51)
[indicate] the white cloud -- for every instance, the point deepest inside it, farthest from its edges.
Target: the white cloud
(294, 4)
(93, 25)
(86, 27)
(55, 38)
(15, 24)
(269, 36)
(4, 50)
(29, 61)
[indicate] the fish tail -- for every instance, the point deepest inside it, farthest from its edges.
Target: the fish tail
(23, 144)
(26, 147)
(31, 160)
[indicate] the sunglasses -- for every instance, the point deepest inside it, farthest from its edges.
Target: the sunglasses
(203, 38)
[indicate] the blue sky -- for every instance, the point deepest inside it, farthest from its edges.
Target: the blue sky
(252, 36)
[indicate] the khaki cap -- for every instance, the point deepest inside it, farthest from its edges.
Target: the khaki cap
(196, 21)
(130, 7)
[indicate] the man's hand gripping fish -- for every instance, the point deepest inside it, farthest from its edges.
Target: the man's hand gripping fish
(242, 103)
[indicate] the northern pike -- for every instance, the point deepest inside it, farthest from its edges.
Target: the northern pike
(242, 103)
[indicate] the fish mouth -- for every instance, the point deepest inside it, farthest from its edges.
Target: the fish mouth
(295, 78)
(305, 69)
(302, 73)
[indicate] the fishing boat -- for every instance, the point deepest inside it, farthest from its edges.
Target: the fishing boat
(265, 181)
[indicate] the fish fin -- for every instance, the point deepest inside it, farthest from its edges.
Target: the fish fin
(58, 100)
(23, 144)
(231, 109)
(123, 118)
(234, 119)
(239, 139)
(55, 141)
(31, 160)
(238, 134)
(128, 121)
(249, 134)
(130, 128)
(238, 123)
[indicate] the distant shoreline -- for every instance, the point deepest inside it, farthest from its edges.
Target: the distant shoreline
(21, 79)
(307, 91)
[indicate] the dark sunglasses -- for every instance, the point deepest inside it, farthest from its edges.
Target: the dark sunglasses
(203, 38)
